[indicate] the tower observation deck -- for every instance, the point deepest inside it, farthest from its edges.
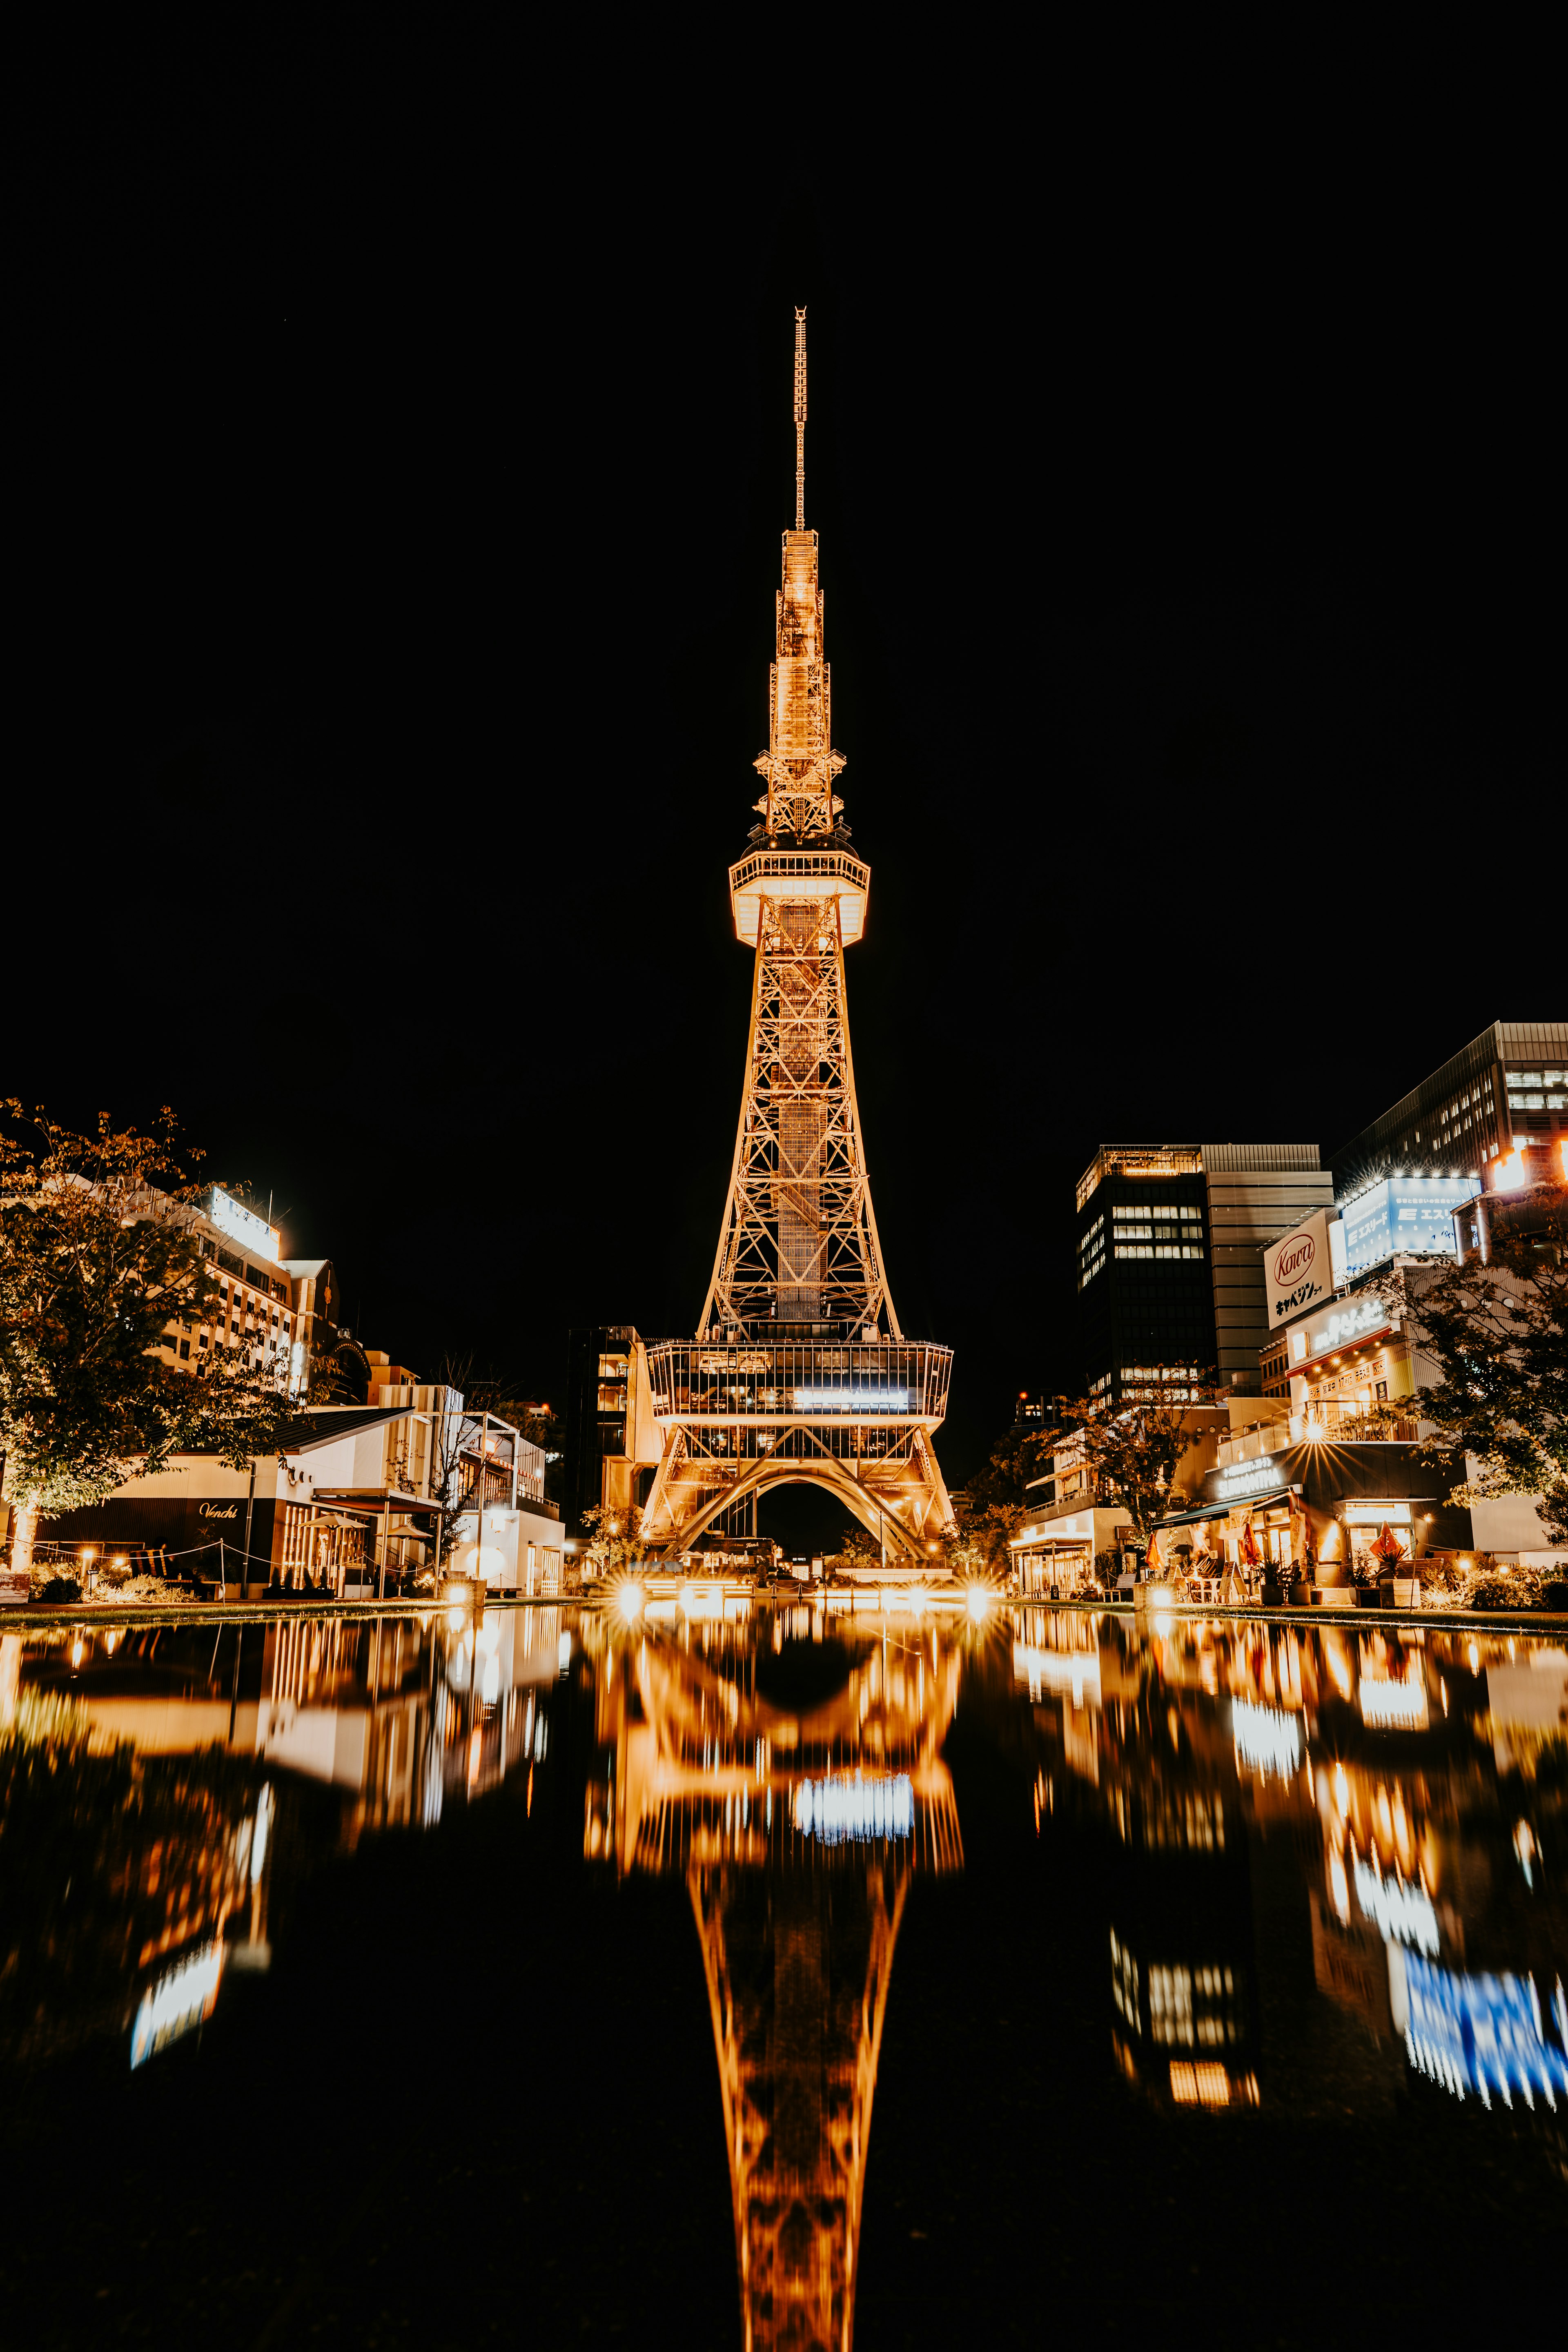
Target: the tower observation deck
(799, 1372)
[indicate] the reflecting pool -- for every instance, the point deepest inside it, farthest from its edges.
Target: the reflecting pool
(731, 1974)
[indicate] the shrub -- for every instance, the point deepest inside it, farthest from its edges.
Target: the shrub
(57, 1592)
(1520, 1587)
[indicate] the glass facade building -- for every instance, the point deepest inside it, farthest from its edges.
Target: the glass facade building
(1506, 1091)
(1169, 1261)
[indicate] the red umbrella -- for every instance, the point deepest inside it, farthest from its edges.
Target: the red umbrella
(1388, 1546)
(1151, 1559)
(1249, 1551)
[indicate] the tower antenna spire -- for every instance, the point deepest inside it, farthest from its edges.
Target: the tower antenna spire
(800, 420)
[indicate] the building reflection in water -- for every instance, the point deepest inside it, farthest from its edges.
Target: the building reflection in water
(790, 1769)
(1419, 1770)
(150, 1776)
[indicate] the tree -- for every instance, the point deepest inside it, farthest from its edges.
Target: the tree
(455, 1431)
(1132, 1450)
(1018, 1456)
(99, 1250)
(970, 1549)
(614, 1546)
(857, 1549)
(1498, 1335)
(992, 1507)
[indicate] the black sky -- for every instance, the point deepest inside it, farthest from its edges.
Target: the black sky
(400, 478)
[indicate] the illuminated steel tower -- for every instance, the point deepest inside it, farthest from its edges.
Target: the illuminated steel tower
(800, 1372)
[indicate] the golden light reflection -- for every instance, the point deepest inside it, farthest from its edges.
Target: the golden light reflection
(796, 1781)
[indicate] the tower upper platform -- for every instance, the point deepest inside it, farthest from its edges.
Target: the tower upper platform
(798, 871)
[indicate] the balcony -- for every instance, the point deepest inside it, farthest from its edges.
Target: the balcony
(1249, 1444)
(1332, 1423)
(775, 872)
(778, 1382)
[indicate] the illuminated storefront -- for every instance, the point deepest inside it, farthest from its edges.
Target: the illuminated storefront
(1315, 1510)
(1345, 1360)
(1057, 1554)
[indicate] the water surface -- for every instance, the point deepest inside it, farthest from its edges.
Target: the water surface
(758, 1976)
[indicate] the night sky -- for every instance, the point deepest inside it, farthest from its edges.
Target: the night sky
(399, 523)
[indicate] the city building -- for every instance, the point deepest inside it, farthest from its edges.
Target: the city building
(1312, 1501)
(1255, 1192)
(1343, 1295)
(1506, 1091)
(1073, 1530)
(314, 1296)
(354, 1502)
(611, 1442)
(1145, 1298)
(1358, 1354)
(1333, 1468)
(280, 1313)
(1169, 1267)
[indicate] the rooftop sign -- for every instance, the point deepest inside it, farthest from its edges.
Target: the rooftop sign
(252, 1233)
(1341, 1327)
(1405, 1212)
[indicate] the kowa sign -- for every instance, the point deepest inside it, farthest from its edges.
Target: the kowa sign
(1299, 1269)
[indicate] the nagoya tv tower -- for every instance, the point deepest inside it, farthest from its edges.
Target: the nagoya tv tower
(799, 1373)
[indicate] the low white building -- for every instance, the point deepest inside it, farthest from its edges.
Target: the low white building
(356, 1496)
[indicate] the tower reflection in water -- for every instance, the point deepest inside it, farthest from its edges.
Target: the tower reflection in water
(790, 1769)
(1415, 1778)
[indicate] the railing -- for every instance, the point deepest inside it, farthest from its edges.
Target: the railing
(494, 1481)
(774, 1381)
(841, 864)
(1260, 1436)
(1349, 1426)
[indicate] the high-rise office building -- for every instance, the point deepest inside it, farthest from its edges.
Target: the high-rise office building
(1170, 1258)
(1506, 1091)
(1255, 1192)
(1145, 1307)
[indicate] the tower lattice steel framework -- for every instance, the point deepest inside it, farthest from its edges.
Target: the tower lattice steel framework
(800, 1372)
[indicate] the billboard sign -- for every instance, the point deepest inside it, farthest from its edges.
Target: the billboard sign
(1405, 1212)
(1297, 1271)
(1355, 1318)
(251, 1231)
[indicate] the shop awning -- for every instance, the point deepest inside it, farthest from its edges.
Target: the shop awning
(374, 1500)
(1275, 1496)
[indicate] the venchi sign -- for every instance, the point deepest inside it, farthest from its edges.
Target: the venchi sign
(1296, 1269)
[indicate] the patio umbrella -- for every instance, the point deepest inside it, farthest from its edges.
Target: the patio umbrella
(1388, 1546)
(1249, 1551)
(1151, 1559)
